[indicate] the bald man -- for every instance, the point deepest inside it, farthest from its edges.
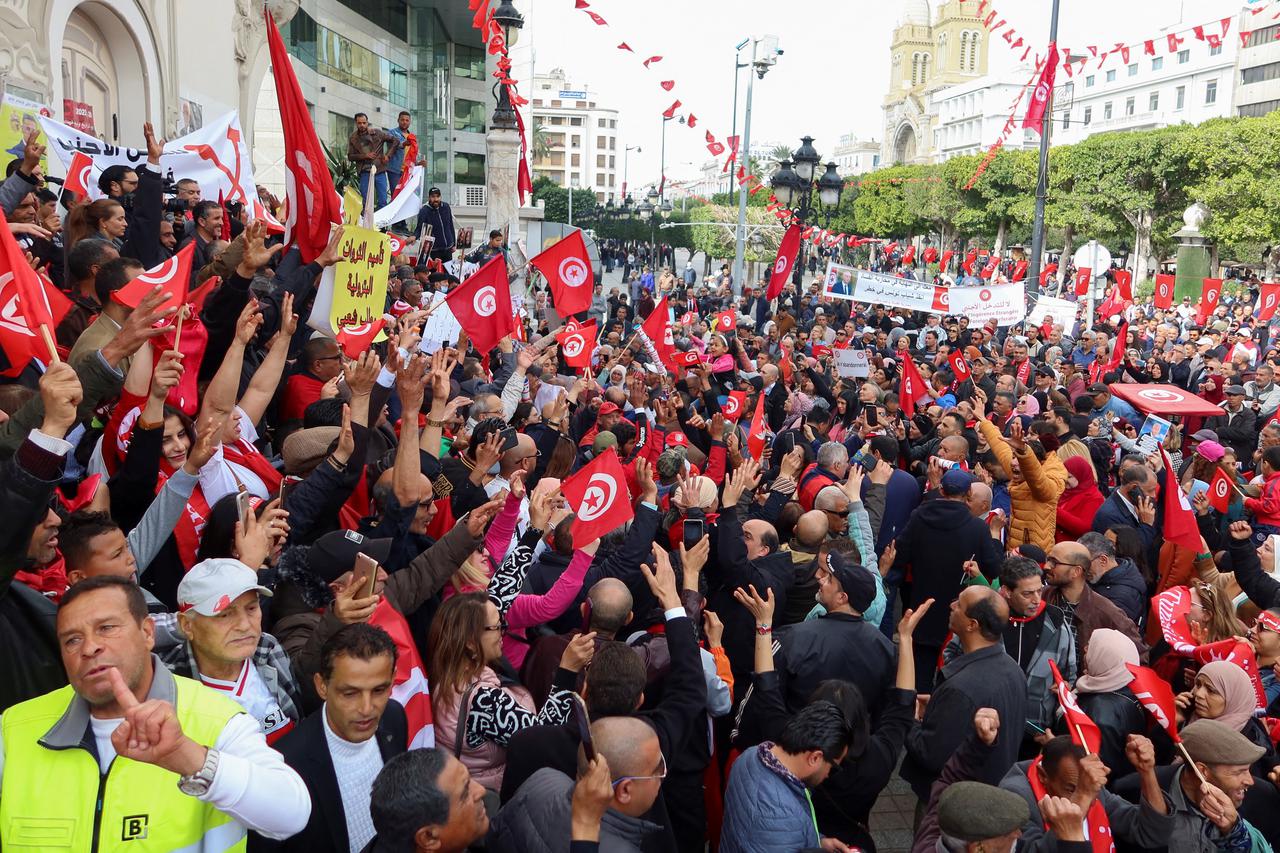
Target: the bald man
(1064, 571)
(979, 500)
(984, 676)
(806, 540)
(832, 502)
(539, 816)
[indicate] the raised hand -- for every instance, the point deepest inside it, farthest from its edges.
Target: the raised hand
(32, 151)
(362, 373)
(167, 375)
(761, 608)
(852, 486)
(694, 559)
(662, 579)
(151, 733)
(346, 438)
(579, 652)
(256, 252)
(140, 327)
(911, 619)
(986, 722)
(333, 249)
(288, 319)
(155, 147)
(409, 385)
(248, 323)
(208, 437)
(478, 519)
(61, 393)
(1064, 818)
(348, 605)
(489, 451)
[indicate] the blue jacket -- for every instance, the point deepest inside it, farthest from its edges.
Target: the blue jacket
(763, 811)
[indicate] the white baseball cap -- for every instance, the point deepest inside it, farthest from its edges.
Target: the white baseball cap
(211, 585)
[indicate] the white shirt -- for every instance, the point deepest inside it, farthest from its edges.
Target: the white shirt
(221, 477)
(355, 765)
(252, 694)
(253, 785)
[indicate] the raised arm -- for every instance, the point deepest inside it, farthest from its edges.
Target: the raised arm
(220, 396)
(266, 379)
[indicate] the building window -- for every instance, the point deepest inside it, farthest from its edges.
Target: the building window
(1153, 103)
(1270, 71)
(1211, 92)
(601, 141)
(1266, 35)
(1106, 111)
(468, 116)
(468, 168)
(468, 62)
(599, 179)
(1066, 121)
(335, 56)
(1180, 97)
(1111, 76)
(611, 161)
(601, 123)
(613, 143)
(1133, 70)
(557, 120)
(1260, 109)
(576, 160)
(613, 124)
(1088, 116)
(600, 161)
(1129, 106)
(1184, 56)
(576, 121)
(576, 141)
(1089, 81)
(1215, 50)
(555, 105)
(1157, 63)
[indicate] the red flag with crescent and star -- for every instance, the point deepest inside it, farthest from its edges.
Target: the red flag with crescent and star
(567, 268)
(598, 495)
(577, 344)
(482, 305)
(788, 250)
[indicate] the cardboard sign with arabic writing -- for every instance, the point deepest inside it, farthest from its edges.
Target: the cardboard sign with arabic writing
(360, 277)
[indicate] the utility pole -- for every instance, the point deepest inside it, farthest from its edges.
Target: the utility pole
(1042, 180)
(737, 72)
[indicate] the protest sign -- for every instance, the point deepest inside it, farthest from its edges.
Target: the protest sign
(853, 363)
(360, 277)
(442, 327)
(19, 117)
(1004, 303)
(839, 282)
(1060, 311)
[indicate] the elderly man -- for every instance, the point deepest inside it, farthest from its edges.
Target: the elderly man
(217, 639)
(539, 816)
(830, 468)
(319, 363)
(188, 770)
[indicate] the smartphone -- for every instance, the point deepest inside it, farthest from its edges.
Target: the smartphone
(286, 486)
(873, 416)
(693, 531)
(864, 459)
(365, 572)
(244, 506)
(580, 719)
(509, 438)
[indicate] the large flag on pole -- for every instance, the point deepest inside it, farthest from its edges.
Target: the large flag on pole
(313, 203)
(482, 304)
(567, 268)
(788, 250)
(1044, 89)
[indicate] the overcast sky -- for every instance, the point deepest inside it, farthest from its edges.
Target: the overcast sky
(831, 79)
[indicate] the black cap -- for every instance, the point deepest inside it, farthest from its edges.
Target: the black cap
(1098, 388)
(855, 581)
(335, 553)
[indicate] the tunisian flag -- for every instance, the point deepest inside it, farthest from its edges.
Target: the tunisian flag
(28, 301)
(657, 328)
(577, 344)
(313, 203)
(734, 404)
(1156, 695)
(1044, 88)
(788, 250)
(755, 437)
(1180, 525)
(482, 305)
(1220, 488)
(567, 268)
(1210, 293)
(598, 495)
(1267, 301)
(174, 275)
(913, 387)
(959, 366)
(1083, 730)
(1124, 285)
(410, 687)
(358, 337)
(1163, 296)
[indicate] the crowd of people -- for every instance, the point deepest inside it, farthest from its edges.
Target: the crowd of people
(264, 592)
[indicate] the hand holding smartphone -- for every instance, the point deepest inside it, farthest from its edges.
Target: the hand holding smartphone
(365, 574)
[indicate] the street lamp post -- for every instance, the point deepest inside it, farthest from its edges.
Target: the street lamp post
(625, 155)
(795, 183)
(1042, 180)
(761, 65)
(511, 21)
(737, 67)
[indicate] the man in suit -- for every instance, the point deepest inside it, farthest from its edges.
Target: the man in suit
(340, 749)
(775, 397)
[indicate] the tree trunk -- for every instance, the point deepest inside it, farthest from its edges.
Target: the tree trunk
(1068, 238)
(1000, 235)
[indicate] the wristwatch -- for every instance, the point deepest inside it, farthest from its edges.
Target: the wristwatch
(198, 784)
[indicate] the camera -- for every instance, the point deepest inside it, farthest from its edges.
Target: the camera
(176, 206)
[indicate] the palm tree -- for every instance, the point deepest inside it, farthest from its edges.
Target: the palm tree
(541, 143)
(780, 153)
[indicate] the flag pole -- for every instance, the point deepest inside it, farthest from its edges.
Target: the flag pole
(1183, 749)
(177, 335)
(48, 341)
(1042, 181)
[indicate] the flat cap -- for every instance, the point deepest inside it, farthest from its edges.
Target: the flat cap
(973, 811)
(1216, 743)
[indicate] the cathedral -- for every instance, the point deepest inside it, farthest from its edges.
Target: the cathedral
(929, 52)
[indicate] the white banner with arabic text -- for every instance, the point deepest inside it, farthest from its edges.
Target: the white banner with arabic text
(1004, 303)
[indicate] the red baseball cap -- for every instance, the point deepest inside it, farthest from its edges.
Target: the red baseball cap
(677, 439)
(608, 408)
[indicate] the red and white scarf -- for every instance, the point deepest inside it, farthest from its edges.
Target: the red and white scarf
(1096, 824)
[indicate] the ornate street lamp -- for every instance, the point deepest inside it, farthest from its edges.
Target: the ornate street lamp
(511, 21)
(794, 186)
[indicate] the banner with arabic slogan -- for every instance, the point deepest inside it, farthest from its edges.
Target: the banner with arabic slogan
(360, 278)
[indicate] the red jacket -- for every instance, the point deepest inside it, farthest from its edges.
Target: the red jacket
(1266, 508)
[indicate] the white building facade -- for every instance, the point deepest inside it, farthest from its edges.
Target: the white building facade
(584, 150)
(854, 156)
(971, 116)
(1193, 84)
(1258, 92)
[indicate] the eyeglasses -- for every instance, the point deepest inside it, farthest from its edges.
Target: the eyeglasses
(329, 357)
(501, 627)
(661, 774)
(1051, 562)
